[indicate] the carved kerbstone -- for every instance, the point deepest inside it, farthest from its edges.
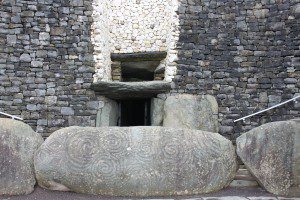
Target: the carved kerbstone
(135, 161)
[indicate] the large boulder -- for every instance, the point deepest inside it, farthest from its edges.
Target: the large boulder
(271, 152)
(135, 161)
(18, 142)
(192, 112)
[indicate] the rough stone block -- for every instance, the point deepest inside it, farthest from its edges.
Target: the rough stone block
(135, 161)
(271, 153)
(192, 112)
(18, 143)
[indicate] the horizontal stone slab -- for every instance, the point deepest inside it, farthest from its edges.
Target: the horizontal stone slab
(135, 161)
(141, 56)
(125, 90)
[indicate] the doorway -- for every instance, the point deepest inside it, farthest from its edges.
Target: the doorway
(134, 112)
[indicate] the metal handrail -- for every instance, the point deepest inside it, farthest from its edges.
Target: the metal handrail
(11, 116)
(277, 105)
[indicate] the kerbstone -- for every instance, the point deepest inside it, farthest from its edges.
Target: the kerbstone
(18, 142)
(135, 161)
(271, 152)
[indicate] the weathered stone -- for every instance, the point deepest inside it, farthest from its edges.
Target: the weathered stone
(135, 161)
(18, 142)
(141, 56)
(193, 112)
(11, 39)
(58, 31)
(119, 90)
(67, 111)
(156, 112)
(271, 152)
(44, 36)
(25, 57)
(77, 2)
(108, 115)
(36, 63)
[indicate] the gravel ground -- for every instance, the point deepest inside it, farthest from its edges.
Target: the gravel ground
(255, 193)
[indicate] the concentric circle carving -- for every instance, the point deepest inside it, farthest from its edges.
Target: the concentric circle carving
(81, 149)
(116, 144)
(174, 151)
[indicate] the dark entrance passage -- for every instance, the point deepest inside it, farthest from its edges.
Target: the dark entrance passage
(135, 112)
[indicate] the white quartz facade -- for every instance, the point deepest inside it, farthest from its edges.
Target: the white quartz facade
(131, 26)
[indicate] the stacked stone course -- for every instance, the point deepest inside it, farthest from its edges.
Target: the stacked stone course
(46, 66)
(246, 53)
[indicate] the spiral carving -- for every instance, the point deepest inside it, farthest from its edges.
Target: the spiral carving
(139, 160)
(146, 150)
(81, 150)
(116, 144)
(105, 168)
(174, 151)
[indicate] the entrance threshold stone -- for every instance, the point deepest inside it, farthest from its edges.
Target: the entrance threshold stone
(125, 90)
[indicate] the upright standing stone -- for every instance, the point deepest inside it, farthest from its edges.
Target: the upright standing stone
(18, 142)
(156, 112)
(108, 115)
(271, 152)
(192, 112)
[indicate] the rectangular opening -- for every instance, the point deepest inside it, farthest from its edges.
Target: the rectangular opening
(135, 112)
(137, 67)
(138, 71)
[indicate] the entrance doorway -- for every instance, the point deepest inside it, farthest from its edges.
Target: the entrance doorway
(134, 112)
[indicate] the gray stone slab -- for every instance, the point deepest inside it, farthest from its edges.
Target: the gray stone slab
(192, 112)
(121, 90)
(141, 56)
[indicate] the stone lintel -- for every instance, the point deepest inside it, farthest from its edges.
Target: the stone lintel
(140, 56)
(126, 90)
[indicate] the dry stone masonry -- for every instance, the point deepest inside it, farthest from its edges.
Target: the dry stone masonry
(121, 26)
(46, 63)
(245, 53)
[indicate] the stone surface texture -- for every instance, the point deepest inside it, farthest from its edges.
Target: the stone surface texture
(156, 112)
(45, 75)
(108, 114)
(18, 143)
(129, 26)
(271, 152)
(135, 161)
(191, 112)
(125, 90)
(245, 53)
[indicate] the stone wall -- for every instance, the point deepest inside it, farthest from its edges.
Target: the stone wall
(246, 53)
(139, 26)
(134, 26)
(46, 65)
(100, 36)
